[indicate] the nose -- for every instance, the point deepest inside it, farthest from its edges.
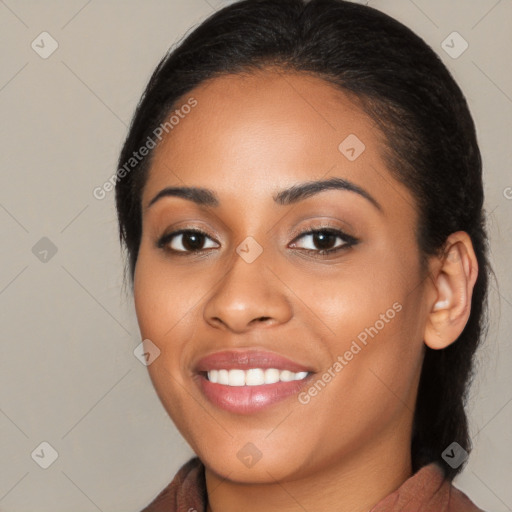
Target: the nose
(247, 296)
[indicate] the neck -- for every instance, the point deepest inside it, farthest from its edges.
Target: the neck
(355, 483)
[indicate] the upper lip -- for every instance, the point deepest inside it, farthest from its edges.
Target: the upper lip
(245, 359)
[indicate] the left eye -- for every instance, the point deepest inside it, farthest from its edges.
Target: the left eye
(324, 239)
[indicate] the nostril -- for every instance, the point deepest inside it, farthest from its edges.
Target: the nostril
(261, 318)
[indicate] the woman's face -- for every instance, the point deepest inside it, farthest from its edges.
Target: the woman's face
(256, 292)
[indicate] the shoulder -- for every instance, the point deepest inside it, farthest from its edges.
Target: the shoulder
(186, 492)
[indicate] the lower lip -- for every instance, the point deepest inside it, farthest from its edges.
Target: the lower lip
(249, 399)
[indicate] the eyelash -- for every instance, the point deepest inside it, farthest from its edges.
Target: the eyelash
(349, 240)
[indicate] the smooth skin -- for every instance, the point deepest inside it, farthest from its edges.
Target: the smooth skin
(248, 138)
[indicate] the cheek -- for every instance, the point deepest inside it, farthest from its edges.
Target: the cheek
(375, 340)
(163, 296)
(351, 300)
(369, 385)
(163, 312)
(164, 316)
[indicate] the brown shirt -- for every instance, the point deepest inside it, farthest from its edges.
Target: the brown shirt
(425, 491)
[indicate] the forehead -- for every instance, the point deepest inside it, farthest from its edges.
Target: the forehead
(266, 130)
(241, 112)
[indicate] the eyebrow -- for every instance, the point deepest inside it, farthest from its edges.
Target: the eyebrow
(291, 195)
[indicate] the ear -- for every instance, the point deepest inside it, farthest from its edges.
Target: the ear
(454, 282)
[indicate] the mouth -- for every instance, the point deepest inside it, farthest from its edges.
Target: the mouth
(245, 382)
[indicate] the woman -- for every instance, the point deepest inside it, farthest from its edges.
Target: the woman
(300, 196)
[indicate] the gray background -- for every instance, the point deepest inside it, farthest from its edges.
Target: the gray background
(68, 375)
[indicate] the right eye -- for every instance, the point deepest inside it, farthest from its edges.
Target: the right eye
(185, 241)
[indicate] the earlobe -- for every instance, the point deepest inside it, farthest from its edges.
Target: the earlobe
(454, 285)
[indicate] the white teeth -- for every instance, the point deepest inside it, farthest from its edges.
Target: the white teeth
(286, 376)
(223, 377)
(253, 376)
(236, 378)
(271, 376)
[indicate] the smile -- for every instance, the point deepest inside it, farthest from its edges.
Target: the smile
(248, 381)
